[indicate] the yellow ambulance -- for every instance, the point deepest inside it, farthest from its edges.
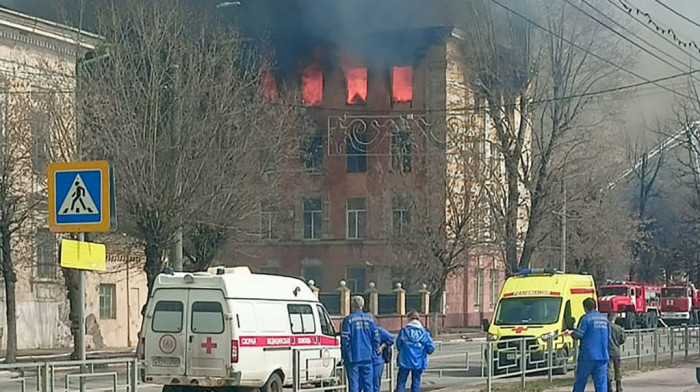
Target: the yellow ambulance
(534, 305)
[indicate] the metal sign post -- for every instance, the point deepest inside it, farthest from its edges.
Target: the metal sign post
(81, 200)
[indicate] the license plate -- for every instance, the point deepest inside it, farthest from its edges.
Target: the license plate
(510, 357)
(165, 362)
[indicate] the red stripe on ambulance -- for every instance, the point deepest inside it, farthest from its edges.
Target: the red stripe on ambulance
(286, 341)
(582, 291)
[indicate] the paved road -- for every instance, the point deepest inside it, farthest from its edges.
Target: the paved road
(453, 364)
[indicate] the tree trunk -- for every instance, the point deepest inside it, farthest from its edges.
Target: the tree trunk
(71, 277)
(511, 241)
(8, 274)
(154, 264)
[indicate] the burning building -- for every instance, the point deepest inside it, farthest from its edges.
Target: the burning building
(392, 114)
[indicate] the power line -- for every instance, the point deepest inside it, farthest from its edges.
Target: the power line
(585, 50)
(677, 13)
(626, 38)
(651, 21)
(655, 31)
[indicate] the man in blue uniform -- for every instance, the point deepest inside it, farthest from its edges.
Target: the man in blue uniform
(594, 333)
(382, 356)
(359, 342)
(414, 344)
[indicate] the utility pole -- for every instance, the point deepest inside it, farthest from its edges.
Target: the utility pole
(176, 254)
(563, 228)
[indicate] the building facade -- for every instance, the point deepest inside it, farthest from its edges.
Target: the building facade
(395, 146)
(37, 65)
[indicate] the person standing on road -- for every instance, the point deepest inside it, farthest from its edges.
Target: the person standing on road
(382, 356)
(359, 340)
(594, 333)
(617, 339)
(414, 344)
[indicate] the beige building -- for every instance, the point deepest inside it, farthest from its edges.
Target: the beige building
(37, 68)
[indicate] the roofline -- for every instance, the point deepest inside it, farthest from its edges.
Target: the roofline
(48, 29)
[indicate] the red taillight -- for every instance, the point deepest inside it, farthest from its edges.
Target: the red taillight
(142, 350)
(234, 351)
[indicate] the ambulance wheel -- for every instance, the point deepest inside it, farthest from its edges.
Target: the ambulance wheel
(273, 384)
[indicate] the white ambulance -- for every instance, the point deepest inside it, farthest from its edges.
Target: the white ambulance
(228, 328)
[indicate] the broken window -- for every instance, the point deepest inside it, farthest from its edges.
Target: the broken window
(313, 152)
(312, 85)
(356, 84)
(402, 84)
(401, 152)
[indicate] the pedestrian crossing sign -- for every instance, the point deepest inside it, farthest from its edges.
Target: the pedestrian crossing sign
(80, 197)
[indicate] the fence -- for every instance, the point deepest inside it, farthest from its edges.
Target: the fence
(114, 374)
(336, 381)
(493, 360)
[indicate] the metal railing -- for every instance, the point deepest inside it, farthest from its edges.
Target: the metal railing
(519, 357)
(114, 374)
(337, 378)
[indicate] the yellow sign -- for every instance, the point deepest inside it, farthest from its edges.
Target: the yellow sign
(83, 255)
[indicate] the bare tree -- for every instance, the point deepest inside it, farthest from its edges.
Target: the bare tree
(533, 65)
(176, 107)
(439, 223)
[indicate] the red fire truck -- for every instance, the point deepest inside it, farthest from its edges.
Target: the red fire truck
(680, 304)
(636, 304)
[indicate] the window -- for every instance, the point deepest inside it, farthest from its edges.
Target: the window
(356, 150)
(301, 318)
(312, 272)
(207, 317)
(313, 152)
(313, 217)
(528, 310)
(356, 278)
(268, 221)
(400, 216)
(46, 260)
(108, 301)
(479, 293)
(325, 321)
(167, 317)
(401, 150)
(312, 85)
(357, 215)
(356, 85)
(402, 84)
(494, 287)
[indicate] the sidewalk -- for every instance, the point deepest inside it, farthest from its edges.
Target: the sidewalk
(676, 379)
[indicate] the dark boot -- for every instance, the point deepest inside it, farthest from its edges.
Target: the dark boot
(618, 385)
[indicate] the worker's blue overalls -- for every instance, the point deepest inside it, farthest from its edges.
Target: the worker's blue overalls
(359, 343)
(593, 331)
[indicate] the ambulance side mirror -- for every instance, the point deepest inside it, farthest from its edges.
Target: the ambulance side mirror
(485, 324)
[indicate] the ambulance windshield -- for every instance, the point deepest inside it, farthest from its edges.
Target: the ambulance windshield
(528, 310)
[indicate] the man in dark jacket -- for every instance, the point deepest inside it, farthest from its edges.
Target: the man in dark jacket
(617, 339)
(414, 345)
(594, 333)
(359, 341)
(386, 340)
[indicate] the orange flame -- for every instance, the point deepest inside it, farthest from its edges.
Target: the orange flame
(356, 82)
(269, 87)
(402, 84)
(312, 85)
